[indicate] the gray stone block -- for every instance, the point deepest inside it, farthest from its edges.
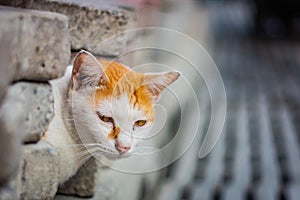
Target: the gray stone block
(39, 172)
(34, 45)
(9, 63)
(83, 183)
(11, 129)
(37, 101)
(11, 190)
(64, 197)
(8, 193)
(90, 22)
(24, 116)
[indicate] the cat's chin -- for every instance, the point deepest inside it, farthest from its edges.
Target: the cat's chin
(118, 156)
(113, 156)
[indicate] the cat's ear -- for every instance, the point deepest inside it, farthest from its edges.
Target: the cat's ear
(87, 71)
(157, 82)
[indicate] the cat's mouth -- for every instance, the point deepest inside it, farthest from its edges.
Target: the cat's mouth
(114, 154)
(114, 151)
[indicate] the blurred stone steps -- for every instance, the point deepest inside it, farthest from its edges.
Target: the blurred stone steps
(261, 157)
(258, 155)
(38, 175)
(294, 192)
(201, 190)
(169, 191)
(91, 23)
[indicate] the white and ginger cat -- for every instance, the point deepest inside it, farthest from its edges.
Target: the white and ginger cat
(100, 106)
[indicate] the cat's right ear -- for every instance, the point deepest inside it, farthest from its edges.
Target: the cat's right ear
(87, 71)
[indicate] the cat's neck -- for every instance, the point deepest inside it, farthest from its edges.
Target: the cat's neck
(62, 133)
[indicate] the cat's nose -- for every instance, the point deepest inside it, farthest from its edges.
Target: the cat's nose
(121, 148)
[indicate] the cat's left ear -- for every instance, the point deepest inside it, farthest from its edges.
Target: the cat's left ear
(157, 82)
(87, 71)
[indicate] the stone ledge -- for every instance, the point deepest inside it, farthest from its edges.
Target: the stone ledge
(37, 102)
(83, 183)
(8, 193)
(39, 172)
(91, 22)
(11, 134)
(31, 50)
(25, 112)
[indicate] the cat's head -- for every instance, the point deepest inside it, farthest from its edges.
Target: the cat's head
(113, 105)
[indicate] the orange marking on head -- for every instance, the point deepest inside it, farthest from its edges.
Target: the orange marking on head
(143, 99)
(123, 80)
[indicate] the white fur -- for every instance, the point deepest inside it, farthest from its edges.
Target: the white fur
(57, 133)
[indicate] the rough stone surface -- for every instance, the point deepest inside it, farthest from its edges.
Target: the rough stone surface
(37, 101)
(8, 64)
(64, 197)
(39, 172)
(91, 22)
(11, 128)
(83, 183)
(30, 48)
(8, 193)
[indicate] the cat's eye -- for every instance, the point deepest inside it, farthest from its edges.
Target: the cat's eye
(140, 123)
(105, 118)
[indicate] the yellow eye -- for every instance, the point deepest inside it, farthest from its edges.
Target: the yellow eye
(140, 123)
(105, 118)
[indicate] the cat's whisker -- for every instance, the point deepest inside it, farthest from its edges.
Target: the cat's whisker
(81, 155)
(89, 161)
(83, 158)
(75, 148)
(76, 154)
(79, 145)
(85, 150)
(69, 118)
(72, 145)
(105, 150)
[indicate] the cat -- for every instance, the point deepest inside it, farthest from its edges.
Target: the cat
(100, 106)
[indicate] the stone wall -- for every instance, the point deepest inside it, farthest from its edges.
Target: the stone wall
(90, 22)
(31, 54)
(37, 38)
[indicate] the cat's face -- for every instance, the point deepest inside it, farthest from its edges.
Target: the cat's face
(113, 105)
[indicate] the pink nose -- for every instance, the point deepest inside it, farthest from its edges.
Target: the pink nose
(122, 149)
